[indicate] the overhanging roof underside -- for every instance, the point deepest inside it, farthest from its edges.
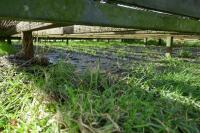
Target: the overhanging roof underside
(93, 12)
(7, 27)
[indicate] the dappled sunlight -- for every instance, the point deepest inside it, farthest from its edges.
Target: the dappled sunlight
(177, 96)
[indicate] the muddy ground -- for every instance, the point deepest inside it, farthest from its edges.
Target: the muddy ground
(115, 59)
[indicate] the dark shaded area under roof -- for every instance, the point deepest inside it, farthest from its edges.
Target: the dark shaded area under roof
(7, 27)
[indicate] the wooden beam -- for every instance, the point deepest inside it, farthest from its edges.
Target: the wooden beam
(35, 26)
(80, 29)
(26, 26)
(181, 7)
(89, 12)
(101, 36)
(113, 36)
(32, 26)
(52, 31)
(100, 30)
(77, 29)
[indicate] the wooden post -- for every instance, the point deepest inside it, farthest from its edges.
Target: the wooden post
(27, 45)
(159, 41)
(67, 41)
(169, 44)
(9, 40)
(145, 41)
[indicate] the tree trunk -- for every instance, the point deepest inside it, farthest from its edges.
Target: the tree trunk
(145, 41)
(27, 45)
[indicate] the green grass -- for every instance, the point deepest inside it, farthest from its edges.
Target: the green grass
(153, 98)
(159, 97)
(156, 42)
(185, 54)
(100, 44)
(188, 43)
(191, 43)
(115, 48)
(6, 49)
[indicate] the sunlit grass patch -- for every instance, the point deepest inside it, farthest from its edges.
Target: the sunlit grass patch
(6, 49)
(57, 98)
